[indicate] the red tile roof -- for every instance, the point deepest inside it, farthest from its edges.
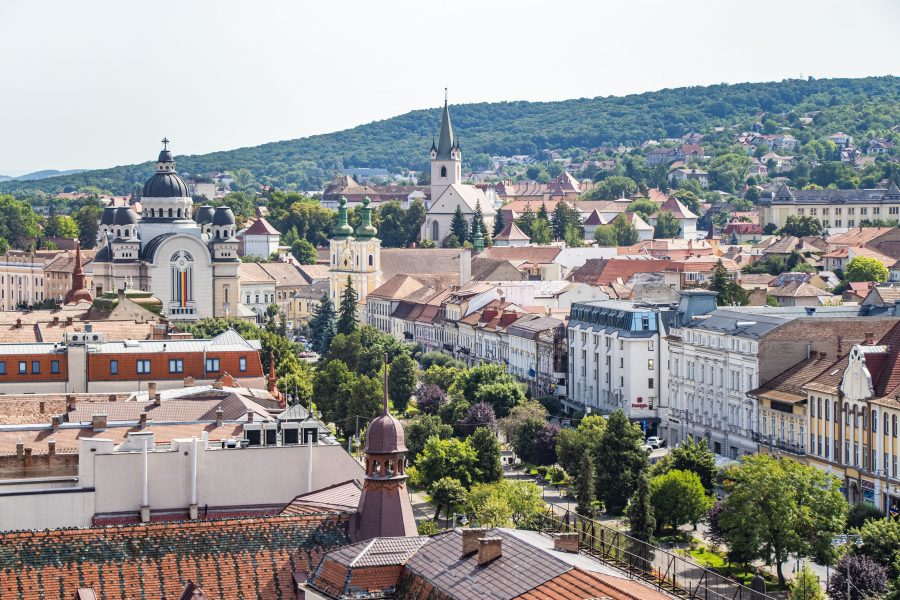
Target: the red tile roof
(261, 227)
(579, 585)
(604, 271)
(229, 558)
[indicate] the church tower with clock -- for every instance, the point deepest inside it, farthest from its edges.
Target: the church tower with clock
(355, 256)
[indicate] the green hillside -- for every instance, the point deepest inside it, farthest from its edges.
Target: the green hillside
(862, 107)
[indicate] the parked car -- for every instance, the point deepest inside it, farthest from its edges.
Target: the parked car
(647, 448)
(655, 442)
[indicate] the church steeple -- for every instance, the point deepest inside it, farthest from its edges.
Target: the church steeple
(446, 157)
(446, 143)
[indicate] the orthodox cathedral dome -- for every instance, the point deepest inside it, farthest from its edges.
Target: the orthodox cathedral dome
(204, 214)
(165, 183)
(223, 216)
(124, 216)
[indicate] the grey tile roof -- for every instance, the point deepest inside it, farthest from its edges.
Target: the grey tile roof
(521, 567)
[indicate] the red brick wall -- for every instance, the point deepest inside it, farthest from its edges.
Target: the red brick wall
(98, 365)
(12, 368)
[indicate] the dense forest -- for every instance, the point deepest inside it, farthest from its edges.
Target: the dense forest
(861, 107)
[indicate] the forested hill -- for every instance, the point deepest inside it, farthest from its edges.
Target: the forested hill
(857, 106)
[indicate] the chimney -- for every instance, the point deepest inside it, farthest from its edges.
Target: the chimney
(151, 389)
(142, 423)
(870, 338)
(112, 398)
(813, 353)
(98, 422)
(51, 447)
(69, 321)
(20, 449)
(18, 323)
(56, 320)
(70, 402)
(220, 416)
(28, 458)
(489, 549)
(566, 542)
(88, 328)
(41, 406)
(56, 421)
(249, 416)
(188, 381)
(218, 385)
(470, 539)
(157, 399)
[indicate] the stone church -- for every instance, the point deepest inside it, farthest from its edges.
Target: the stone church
(189, 262)
(447, 189)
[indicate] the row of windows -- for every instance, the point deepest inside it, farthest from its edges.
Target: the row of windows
(35, 367)
(176, 365)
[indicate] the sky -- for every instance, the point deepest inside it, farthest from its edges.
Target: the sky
(98, 83)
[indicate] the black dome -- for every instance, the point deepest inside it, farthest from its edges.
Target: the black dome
(165, 156)
(223, 216)
(125, 216)
(108, 216)
(204, 214)
(165, 185)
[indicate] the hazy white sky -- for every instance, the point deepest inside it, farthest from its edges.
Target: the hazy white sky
(97, 83)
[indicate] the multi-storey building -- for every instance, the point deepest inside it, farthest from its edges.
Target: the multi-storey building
(537, 354)
(835, 209)
(22, 278)
(717, 358)
(617, 361)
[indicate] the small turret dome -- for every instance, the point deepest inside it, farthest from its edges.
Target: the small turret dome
(204, 214)
(124, 216)
(223, 216)
(108, 216)
(385, 435)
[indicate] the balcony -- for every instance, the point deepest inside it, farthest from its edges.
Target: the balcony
(777, 445)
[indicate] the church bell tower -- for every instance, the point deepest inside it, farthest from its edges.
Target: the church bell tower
(446, 157)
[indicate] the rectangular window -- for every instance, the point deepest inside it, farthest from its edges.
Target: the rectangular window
(23, 367)
(2, 368)
(650, 345)
(651, 383)
(827, 447)
(35, 366)
(54, 366)
(113, 367)
(176, 365)
(212, 365)
(143, 366)
(894, 425)
(621, 381)
(828, 411)
(851, 222)
(650, 365)
(621, 362)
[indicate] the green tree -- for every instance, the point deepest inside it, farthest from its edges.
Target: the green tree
(801, 226)
(447, 458)
(88, 220)
(805, 586)
(487, 451)
(620, 461)
(678, 497)
(574, 236)
(304, 252)
(489, 383)
(584, 486)
(730, 292)
(505, 502)
(614, 186)
(728, 172)
(645, 208)
(667, 226)
(347, 320)
(420, 430)
(523, 442)
(641, 518)
(499, 223)
(520, 414)
(776, 508)
(605, 235)
(323, 325)
(559, 221)
(526, 220)
(328, 385)
(361, 396)
(540, 232)
(694, 456)
(626, 233)
(402, 380)
(448, 494)
(459, 228)
(571, 443)
(881, 543)
(863, 268)
(61, 227)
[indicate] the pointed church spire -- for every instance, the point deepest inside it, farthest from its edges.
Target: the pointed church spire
(78, 292)
(445, 141)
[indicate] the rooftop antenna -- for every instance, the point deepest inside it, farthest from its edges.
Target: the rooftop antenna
(384, 409)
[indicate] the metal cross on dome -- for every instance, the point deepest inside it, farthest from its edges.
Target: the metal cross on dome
(165, 142)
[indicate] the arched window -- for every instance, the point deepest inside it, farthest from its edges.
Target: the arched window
(443, 171)
(170, 213)
(371, 259)
(435, 231)
(179, 213)
(182, 274)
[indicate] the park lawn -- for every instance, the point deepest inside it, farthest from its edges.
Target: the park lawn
(717, 563)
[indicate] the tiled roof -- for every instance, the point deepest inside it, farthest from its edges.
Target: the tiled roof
(798, 289)
(512, 233)
(679, 210)
(314, 272)
(341, 497)
(170, 411)
(537, 254)
(858, 236)
(604, 271)
(419, 261)
(261, 227)
(284, 274)
(229, 558)
(791, 382)
(254, 273)
(577, 584)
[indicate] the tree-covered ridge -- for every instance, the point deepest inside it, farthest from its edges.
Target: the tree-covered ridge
(860, 107)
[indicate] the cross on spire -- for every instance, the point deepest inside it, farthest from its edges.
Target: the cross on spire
(165, 143)
(445, 96)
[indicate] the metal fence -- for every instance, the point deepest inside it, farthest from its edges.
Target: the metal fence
(669, 572)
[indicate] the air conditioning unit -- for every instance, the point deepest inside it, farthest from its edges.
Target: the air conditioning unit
(81, 338)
